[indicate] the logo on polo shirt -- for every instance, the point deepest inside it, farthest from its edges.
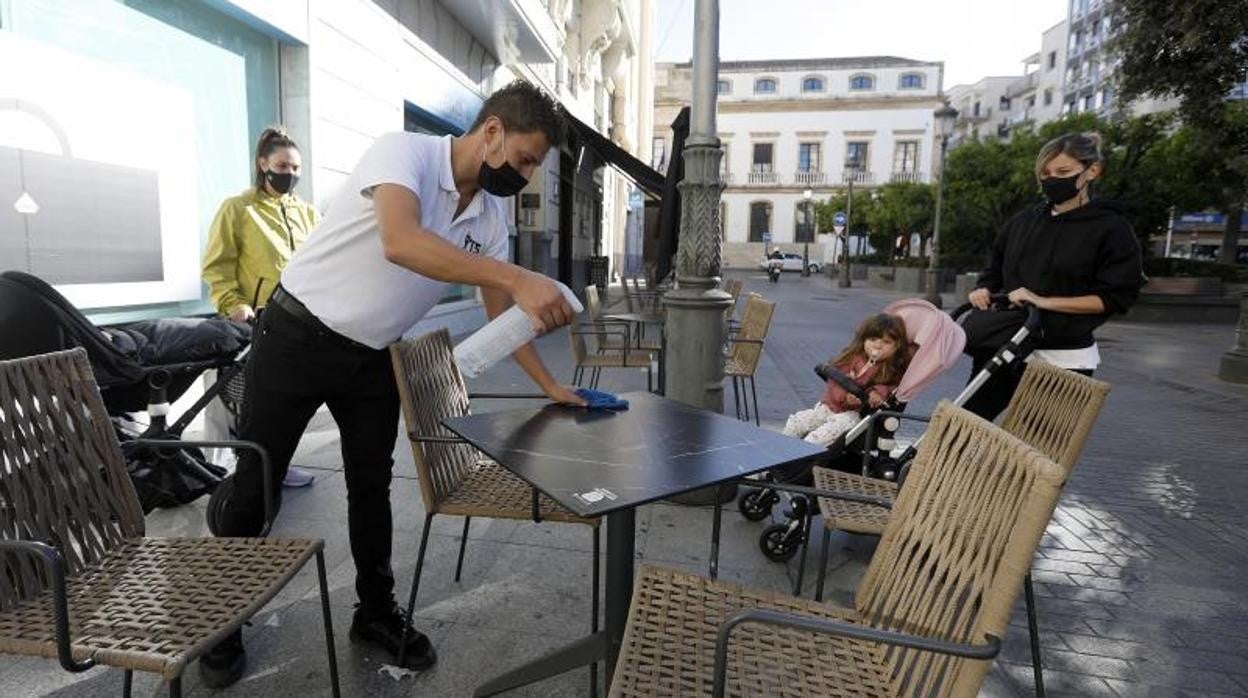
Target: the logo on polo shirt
(472, 245)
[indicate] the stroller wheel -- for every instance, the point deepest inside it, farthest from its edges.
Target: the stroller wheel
(216, 504)
(755, 505)
(779, 543)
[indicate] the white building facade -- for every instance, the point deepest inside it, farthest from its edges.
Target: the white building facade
(789, 126)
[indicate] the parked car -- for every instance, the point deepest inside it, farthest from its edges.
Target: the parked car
(792, 261)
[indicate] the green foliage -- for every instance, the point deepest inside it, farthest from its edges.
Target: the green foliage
(901, 208)
(1158, 266)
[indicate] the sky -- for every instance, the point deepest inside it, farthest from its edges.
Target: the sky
(974, 38)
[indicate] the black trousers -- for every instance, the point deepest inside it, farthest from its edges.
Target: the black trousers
(992, 397)
(295, 366)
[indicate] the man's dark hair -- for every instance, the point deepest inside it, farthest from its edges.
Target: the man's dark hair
(525, 108)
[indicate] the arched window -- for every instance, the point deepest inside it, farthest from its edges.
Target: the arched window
(862, 81)
(760, 220)
(812, 84)
(804, 222)
(724, 87)
(911, 81)
(765, 86)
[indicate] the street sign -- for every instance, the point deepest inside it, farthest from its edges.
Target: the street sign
(838, 221)
(839, 229)
(766, 237)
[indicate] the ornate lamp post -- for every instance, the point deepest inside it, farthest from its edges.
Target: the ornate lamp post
(806, 231)
(946, 117)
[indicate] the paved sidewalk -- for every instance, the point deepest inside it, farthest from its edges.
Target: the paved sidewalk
(1139, 577)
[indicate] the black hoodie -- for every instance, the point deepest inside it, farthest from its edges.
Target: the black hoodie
(1090, 250)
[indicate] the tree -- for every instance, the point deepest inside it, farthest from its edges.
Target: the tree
(859, 223)
(1197, 51)
(902, 208)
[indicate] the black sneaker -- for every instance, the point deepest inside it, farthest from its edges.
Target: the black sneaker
(386, 630)
(224, 664)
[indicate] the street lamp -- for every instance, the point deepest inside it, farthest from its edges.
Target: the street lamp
(946, 117)
(851, 168)
(806, 228)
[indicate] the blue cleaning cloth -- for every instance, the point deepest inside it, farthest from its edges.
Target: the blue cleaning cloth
(598, 400)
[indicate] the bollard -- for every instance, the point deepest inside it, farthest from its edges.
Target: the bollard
(1235, 361)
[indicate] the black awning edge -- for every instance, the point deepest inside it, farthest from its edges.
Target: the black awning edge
(639, 172)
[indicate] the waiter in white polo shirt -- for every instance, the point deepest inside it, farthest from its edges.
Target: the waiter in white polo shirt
(417, 213)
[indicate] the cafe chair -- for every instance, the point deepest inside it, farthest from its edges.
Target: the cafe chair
(607, 342)
(455, 478)
(593, 363)
(927, 616)
(1053, 410)
(733, 288)
(745, 350)
(80, 582)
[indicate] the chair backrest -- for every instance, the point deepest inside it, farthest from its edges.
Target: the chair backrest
(1054, 410)
(592, 303)
(733, 287)
(755, 323)
(952, 558)
(63, 478)
(431, 389)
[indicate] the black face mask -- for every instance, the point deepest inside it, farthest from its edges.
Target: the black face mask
(1060, 189)
(282, 182)
(503, 180)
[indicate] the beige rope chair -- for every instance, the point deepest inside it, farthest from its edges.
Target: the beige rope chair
(926, 617)
(79, 581)
(623, 357)
(745, 349)
(455, 478)
(610, 341)
(1053, 410)
(733, 288)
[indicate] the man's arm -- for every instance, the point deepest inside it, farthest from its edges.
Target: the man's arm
(496, 302)
(407, 243)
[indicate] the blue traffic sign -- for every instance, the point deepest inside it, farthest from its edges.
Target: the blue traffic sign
(839, 218)
(766, 237)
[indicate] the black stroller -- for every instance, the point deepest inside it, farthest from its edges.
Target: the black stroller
(870, 447)
(139, 367)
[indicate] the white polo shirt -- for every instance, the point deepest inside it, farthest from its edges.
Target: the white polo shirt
(341, 273)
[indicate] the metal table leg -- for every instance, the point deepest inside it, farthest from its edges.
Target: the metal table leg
(621, 531)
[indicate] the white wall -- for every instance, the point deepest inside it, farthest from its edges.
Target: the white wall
(836, 83)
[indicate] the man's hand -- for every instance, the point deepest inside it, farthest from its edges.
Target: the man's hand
(564, 395)
(980, 298)
(542, 300)
(242, 313)
(1021, 297)
(875, 400)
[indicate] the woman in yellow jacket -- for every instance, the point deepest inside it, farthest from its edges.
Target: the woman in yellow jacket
(255, 233)
(252, 238)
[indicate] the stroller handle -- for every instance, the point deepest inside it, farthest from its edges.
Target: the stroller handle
(1001, 301)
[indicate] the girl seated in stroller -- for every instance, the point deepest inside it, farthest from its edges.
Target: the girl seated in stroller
(869, 368)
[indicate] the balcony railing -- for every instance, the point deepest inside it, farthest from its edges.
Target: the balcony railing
(762, 178)
(808, 177)
(907, 176)
(725, 178)
(858, 177)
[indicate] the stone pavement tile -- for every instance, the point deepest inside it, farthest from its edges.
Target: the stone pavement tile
(1107, 647)
(1187, 678)
(473, 654)
(1140, 690)
(1056, 681)
(998, 684)
(1053, 622)
(1078, 593)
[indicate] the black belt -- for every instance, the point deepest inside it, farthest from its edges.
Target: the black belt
(297, 310)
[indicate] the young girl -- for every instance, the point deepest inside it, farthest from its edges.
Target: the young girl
(875, 360)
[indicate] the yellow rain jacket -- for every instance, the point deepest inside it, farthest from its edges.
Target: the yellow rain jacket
(252, 238)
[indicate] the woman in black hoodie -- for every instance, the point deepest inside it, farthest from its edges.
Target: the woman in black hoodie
(1074, 257)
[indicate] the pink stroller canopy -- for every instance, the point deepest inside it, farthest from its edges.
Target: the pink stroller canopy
(940, 341)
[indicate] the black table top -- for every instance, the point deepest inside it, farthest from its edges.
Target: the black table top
(649, 318)
(596, 462)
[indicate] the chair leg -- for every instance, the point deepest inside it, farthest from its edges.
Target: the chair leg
(330, 653)
(801, 563)
(411, 597)
(716, 524)
(754, 391)
(736, 398)
(463, 543)
(1033, 629)
(593, 621)
(175, 687)
(823, 563)
(576, 376)
(127, 683)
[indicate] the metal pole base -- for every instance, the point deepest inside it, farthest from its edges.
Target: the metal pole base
(1234, 367)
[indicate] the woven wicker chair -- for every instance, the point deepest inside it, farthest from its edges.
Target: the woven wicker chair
(455, 478)
(1053, 410)
(624, 356)
(733, 288)
(745, 349)
(611, 342)
(79, 581)
(926, 616)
